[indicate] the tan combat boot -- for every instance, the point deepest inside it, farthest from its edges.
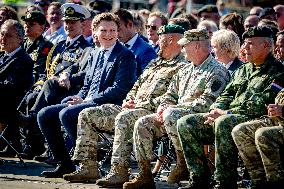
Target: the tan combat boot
(180, 171)
(116, 177)
(144, 180)
(88, 172)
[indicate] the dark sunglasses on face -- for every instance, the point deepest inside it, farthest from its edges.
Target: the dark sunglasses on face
(152, 27)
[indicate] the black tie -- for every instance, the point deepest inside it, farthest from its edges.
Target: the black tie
(127, 46)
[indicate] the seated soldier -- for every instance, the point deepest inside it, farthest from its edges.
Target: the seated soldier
(259, 143)
(110, 77)
(142, 99)
(34, 43)
(243, 99)
(16, 76)
(193, 89)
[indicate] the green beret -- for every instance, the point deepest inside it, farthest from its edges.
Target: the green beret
(194, 35)
(258, 31)
(35, 16)
(170, 28)
(208, 9)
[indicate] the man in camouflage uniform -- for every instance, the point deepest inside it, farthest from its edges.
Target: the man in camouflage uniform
(244, 98)
(259, 143)
(142, 99)
(193, 89)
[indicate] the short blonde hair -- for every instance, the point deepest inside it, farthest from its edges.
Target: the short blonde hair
(228, 41)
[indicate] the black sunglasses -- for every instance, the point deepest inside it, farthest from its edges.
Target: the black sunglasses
(152, 27)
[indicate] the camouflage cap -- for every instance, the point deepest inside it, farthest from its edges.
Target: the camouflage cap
(35, 16)
(208, 9)
(170, 28)
(258, 31)
(194, 35)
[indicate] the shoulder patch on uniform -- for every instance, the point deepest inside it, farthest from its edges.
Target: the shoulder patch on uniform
(216, 85)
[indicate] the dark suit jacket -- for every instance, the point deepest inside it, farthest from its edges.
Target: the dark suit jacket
(144, 53)
(16, 76)
(118, 76)
(234, 66)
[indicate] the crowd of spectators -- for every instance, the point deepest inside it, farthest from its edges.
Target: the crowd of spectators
(71, 70)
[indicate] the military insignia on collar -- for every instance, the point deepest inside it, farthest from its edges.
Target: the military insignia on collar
(70, 10)
(250, 32)
(29, 15)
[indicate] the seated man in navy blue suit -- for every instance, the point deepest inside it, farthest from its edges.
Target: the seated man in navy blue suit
(16, 76)
(143, 52)
(111, 76)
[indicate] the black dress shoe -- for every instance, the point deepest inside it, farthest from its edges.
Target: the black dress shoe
(43, 157)
(26, 120)
(7, 152)
(59, 171)
(51, 161)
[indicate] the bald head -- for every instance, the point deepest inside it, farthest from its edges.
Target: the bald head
(255, 10)
(279, 9)
(250, 21)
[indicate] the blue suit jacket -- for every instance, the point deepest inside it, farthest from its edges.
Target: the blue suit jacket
(117, 78)
(16, 77)
(144, 53)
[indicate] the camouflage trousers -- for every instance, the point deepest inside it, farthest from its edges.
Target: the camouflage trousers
(147, 129)
(170, 117)
(193, 134)
(90, 120)
(259, 144)
(124, 124)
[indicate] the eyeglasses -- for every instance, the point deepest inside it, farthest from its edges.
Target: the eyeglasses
(152, 27)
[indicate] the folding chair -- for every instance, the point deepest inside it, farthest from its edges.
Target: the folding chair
(105, 145)
(22, 163)
(170, 156)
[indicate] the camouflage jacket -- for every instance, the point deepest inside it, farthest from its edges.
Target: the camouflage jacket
(154, 82)
(197, 87)
(251, 88)
(280, 97)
